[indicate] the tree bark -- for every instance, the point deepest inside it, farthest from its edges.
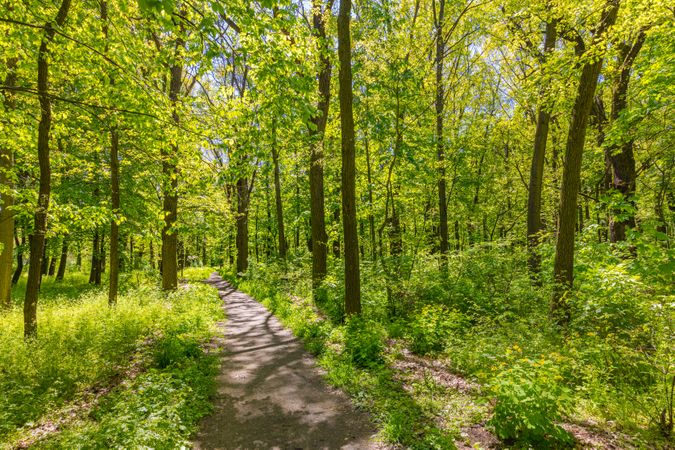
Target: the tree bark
(63, 260)
(351, 238)
(114, 186)
(95, 271)
(563, 269)
(19, 259)
(317, 131)
(277, 197)
(40, 217)
(242, 225)
(7, 197)
(440, 147)
(619, 158)
(534, 224)
(170, 202)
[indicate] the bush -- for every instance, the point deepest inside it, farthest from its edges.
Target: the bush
(364, 341)
(530, 399)
(432, 326)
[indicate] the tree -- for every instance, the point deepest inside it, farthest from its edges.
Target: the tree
(317, 131)
(563, 270)
(350, 232)
(440, 147)
(37, 240)
(6, 195)
(534, 224)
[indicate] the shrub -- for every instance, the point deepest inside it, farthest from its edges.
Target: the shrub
(530, 399)
(432, 326)
(364, 341)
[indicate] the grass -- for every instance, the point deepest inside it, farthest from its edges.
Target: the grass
(146, 352)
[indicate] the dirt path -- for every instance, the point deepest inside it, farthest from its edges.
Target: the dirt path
(270, 393)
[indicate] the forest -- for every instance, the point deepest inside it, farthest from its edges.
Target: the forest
(463, 210)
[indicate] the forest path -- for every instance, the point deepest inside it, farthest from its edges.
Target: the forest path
(270, 393)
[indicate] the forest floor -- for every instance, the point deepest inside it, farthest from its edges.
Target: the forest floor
(270, 392)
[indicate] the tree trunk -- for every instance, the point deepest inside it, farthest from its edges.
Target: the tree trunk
(277, 197)
(19, 259)
(52, 266)
(534, 224)
(371, 216)
(571, 179)
(63, 260)
(242, 225)
(44, 267)
(440, 149)
(170, 203)
(37, 240)
(7, 198)
(351, 238)
(316, 193)
(152, 254)
(94, 272)
(114, 227)
(619, 158)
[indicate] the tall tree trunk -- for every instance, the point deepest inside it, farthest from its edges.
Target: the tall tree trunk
(63, 260)
(7, 197)
(242, 225)
(19, 259)
(371, 216)
(440, 148)
(114, 186)
(94, 272)
(277, 197)
(37, 240)
(170, 172)
(152, 254)
(563, 269)
(52, 266)
(620, 159)
(534, 224)
(316, 192)
(351, 237)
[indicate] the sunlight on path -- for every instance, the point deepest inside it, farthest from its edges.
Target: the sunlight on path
(270, 393)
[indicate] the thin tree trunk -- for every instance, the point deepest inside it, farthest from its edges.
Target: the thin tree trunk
(63, 260)
(242, 225)
(563, 269)
(351, 237)
(371, 217)
(440, 148)
(95, 264)
(7, 198)
(277, 197)
(534, 224)
(19, 259)
(52, 266)
(170, 202)
(316, 191)
(114, 186)
(40, 217)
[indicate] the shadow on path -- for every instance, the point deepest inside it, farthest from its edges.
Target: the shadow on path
(270, 393)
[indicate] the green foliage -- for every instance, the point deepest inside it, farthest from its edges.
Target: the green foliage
(83, 343)
(364, 341)
(432, 327)
(530, 399)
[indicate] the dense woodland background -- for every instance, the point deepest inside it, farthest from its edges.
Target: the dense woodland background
(488, 184)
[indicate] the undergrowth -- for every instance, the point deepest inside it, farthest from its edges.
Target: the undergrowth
(611, 367)
(146, 350)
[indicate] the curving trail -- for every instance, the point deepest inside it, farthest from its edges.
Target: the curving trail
(270, 392)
